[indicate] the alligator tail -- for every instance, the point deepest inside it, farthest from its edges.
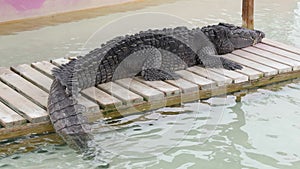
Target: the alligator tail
(67, 117)
(65, 74)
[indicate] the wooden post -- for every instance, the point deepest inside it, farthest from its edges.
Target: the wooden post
(248, 10)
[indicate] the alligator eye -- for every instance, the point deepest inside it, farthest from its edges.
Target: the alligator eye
(247, 34)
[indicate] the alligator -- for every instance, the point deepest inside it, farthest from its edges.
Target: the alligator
(152, 54)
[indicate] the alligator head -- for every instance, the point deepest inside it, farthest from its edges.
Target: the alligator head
(228, 37)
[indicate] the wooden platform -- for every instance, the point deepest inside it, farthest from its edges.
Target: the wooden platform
(24, 88)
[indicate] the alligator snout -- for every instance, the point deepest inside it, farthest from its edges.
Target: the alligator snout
(259, 36)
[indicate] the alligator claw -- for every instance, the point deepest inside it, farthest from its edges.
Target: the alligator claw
(231, 65)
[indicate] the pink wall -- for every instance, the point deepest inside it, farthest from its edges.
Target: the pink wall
(20, 9)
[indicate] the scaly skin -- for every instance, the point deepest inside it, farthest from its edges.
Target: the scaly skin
(66, 116)
(154, 54)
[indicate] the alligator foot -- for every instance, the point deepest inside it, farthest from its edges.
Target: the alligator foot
(157, 74)
(214, 61)
(230, 65)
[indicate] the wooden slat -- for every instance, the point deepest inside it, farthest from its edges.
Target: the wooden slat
(147, 92)
(45, 82)
(281, 46)
(166, 88)
(279, 51)
(295, 64)
(33, 76)
(19, 103)
(60, 61)
(121, 93)
(92, 108)
(279, 66)
(105, 100)
(23, 86)
(268, 71)
(237, 77)
(221, 80)
(44, 67)
(9, 118)
(185, 86)
(203, 83)
(251, 73)
(26, 129)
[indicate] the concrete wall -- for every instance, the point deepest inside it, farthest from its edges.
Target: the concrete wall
(21, 9)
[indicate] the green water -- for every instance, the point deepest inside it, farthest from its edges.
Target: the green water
(279, 19)
(262, 131)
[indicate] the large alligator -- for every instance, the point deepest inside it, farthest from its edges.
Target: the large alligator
(152, 54)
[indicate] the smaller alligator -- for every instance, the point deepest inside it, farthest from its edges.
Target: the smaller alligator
(152, 54)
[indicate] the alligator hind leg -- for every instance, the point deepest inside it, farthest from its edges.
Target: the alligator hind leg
(153, 68)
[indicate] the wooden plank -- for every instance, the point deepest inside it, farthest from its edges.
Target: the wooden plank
(251, 73)
(237, 77)
(199, 80)
(281, 46)
(92, 108)
(220, 79)
(26, 129)
(278, 51)
(256, 58)
(247, 14)
(167, 89)
(45, 82)
(295, 64)
(23, 86)
(19, 103)
(9, 118)
(105, 100)
(185, 86)
(33, 76)
(147, 92)
(268, 71)
(45, 67)
(60, 61)
(121, 93)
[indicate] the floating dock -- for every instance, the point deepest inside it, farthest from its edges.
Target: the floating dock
(24, 88)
